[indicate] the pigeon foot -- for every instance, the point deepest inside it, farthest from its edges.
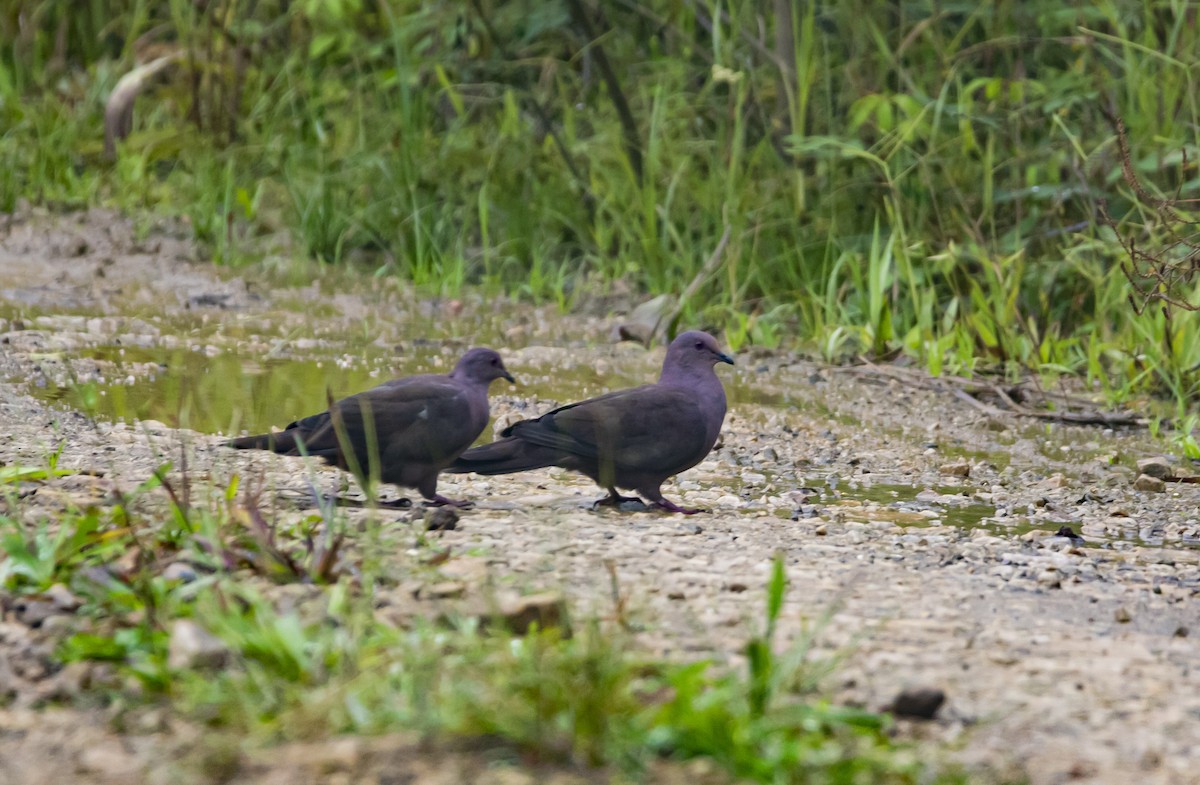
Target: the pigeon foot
(614, 499)
(669, 506)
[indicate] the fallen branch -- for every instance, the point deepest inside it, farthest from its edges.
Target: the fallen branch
(1081, 412)
(118, 110)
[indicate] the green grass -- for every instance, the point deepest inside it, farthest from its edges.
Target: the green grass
(577, 692)
(907, 176)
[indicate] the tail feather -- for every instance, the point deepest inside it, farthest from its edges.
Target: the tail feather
(505, 456)
(281, 442)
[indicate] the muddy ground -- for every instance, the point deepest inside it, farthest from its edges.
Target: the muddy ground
(923, 524)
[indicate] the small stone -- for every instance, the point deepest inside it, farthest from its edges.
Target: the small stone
(1157, 467)
(1145, 482)
(1050, 578)
(737, 587)
(109, 761)
(520, 613)
(445, 590)
(821, 530)
(179, 571)
(34, 612)
(956, 468)
(71, 681)
(678, 595)
(1122, 615)
(470, 569)
(442, 519)
(59, 625)
(806, 511)
(918, 703)
(62, 597)
(1070, 534)
(192, 646)
(325, 758)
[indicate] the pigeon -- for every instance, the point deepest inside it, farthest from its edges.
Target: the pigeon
(633, 438)
(421, 424)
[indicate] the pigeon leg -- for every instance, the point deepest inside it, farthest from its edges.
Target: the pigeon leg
(439, 500)
(613, 499)
(654, 494)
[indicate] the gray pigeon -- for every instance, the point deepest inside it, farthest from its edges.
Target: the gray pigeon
(421, 424)
(634, 438)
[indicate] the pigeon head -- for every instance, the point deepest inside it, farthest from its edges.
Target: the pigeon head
(481, 365)
(695, 349)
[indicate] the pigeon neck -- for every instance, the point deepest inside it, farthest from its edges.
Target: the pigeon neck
(477, 398)
(465, 380)
(702, 382)
(705, 387)
(687, 376)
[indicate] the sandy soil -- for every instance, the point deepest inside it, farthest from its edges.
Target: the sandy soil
(1061, 662)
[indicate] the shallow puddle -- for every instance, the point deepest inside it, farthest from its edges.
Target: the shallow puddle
(224, 391)
(913, 507)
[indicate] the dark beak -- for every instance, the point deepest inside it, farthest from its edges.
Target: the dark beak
(725, 358)
(509, 377)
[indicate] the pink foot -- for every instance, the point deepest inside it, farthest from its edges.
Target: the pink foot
(670, 506)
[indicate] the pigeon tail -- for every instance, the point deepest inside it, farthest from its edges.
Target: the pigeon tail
(281, 442)
(506, 456)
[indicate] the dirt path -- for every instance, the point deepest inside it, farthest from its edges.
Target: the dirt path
(1068, 663)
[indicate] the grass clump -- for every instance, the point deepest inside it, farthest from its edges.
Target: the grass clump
(573, 692)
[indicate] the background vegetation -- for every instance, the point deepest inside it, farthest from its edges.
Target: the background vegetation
(916, 176)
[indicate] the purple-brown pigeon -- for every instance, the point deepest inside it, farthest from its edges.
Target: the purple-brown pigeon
(634, 438)
(421, 424)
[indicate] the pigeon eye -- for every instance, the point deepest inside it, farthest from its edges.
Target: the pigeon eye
(699, 344)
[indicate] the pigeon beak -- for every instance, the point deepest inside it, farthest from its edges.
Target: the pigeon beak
(725, 358)
(509, 377)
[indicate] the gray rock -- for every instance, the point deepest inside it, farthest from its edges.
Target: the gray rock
(918, 703)
(1146, 482)
(34, 612)
(520, 613)
(441, 519)
(179, 571)
(1157, 467)
(62, 597)
(109, 761)
(192, 646)
(956, 468)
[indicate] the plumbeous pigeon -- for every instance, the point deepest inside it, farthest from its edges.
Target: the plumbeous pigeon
(633, 438)
(421, 425)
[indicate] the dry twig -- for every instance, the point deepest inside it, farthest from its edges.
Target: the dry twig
(1012, 399)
